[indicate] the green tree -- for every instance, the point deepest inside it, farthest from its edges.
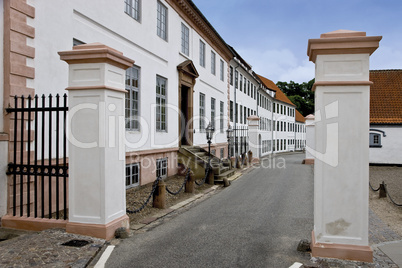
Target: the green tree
(300, 94)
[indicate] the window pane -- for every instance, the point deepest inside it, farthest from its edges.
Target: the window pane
(161, 21)
(213, 62)
(132, 98)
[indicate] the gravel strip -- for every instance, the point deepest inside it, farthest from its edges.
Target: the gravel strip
(383, 208)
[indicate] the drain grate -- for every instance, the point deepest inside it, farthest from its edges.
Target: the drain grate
(76, 243)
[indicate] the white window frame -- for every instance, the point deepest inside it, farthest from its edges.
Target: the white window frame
(213, 63)
(213, 112)
(375, 140)
(221, 115)
(202, 54)
(132, 99)
(161, 101)
(185, 40)
(162, 167)
(132, 178)
(222, 67)
(133, 9)
(202, 112)
(162, 20)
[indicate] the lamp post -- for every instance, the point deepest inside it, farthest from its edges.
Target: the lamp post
(229, 133)
(209, 131)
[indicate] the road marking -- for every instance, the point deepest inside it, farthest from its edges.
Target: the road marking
(105, 256)
(296, 265)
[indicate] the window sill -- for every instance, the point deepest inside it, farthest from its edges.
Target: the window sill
(375, 146)
(184, 55)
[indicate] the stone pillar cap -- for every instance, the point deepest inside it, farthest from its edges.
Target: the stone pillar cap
(310, 117)
(96, 53)
(342, 42)
(253, 118)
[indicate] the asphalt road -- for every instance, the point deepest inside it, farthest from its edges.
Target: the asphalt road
(256, 222)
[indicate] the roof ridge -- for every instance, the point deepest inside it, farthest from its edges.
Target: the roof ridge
(387, 70)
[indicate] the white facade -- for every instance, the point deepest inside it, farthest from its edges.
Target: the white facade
(156, 59)
(285, 127)
(265, 112)
(243, 102)
(385, 144)
(158, 53)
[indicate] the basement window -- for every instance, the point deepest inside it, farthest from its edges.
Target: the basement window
(132, 175)
(161, 168)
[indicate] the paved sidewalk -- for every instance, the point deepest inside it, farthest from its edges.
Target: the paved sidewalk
(45, 249)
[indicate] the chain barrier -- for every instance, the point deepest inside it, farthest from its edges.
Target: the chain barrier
(386, 190)
(149, 198)
(372, 188)
(205, 177)
(182, 186)
(387, 193)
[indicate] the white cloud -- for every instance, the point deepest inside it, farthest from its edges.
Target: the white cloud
(279, 65)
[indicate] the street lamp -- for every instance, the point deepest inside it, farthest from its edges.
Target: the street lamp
(209, 131)
(229, 133)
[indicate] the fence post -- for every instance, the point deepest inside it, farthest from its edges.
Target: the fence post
(253, 124)
(96, 134)
(341, 163)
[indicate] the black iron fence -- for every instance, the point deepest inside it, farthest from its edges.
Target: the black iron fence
(239, 141)
(39, 168)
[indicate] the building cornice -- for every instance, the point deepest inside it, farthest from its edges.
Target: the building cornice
(191, 15)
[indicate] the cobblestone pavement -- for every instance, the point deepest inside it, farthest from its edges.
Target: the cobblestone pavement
(45, 249)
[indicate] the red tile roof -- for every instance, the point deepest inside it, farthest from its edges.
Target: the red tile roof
(386, 97)
(268, 83)
(279, 94)
(300, 117)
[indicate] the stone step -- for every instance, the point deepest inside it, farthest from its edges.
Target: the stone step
(226, 174)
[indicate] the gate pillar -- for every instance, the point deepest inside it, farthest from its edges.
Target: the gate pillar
(341, 164)
(310, 140)
(253, 124)
(96, 134)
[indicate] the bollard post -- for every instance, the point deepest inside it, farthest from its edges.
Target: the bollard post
(382, 192)
(189, 187)
(211, 178)
(159, 198)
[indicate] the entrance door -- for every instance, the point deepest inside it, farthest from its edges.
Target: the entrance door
(187, 76)
(185, 128)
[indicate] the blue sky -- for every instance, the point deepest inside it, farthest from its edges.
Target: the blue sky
(272, 35)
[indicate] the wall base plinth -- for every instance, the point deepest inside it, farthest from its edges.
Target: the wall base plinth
(341, 251)
(103, 231)
(31, 224)
(308, 161)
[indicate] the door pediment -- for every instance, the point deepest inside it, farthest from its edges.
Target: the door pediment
(187, 68)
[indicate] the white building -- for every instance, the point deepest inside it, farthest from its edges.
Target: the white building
(288, 123)
(386, 117)
(184, 77)
(180, 70)
(243, 101)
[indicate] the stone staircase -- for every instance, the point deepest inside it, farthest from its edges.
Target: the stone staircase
(196, 158)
